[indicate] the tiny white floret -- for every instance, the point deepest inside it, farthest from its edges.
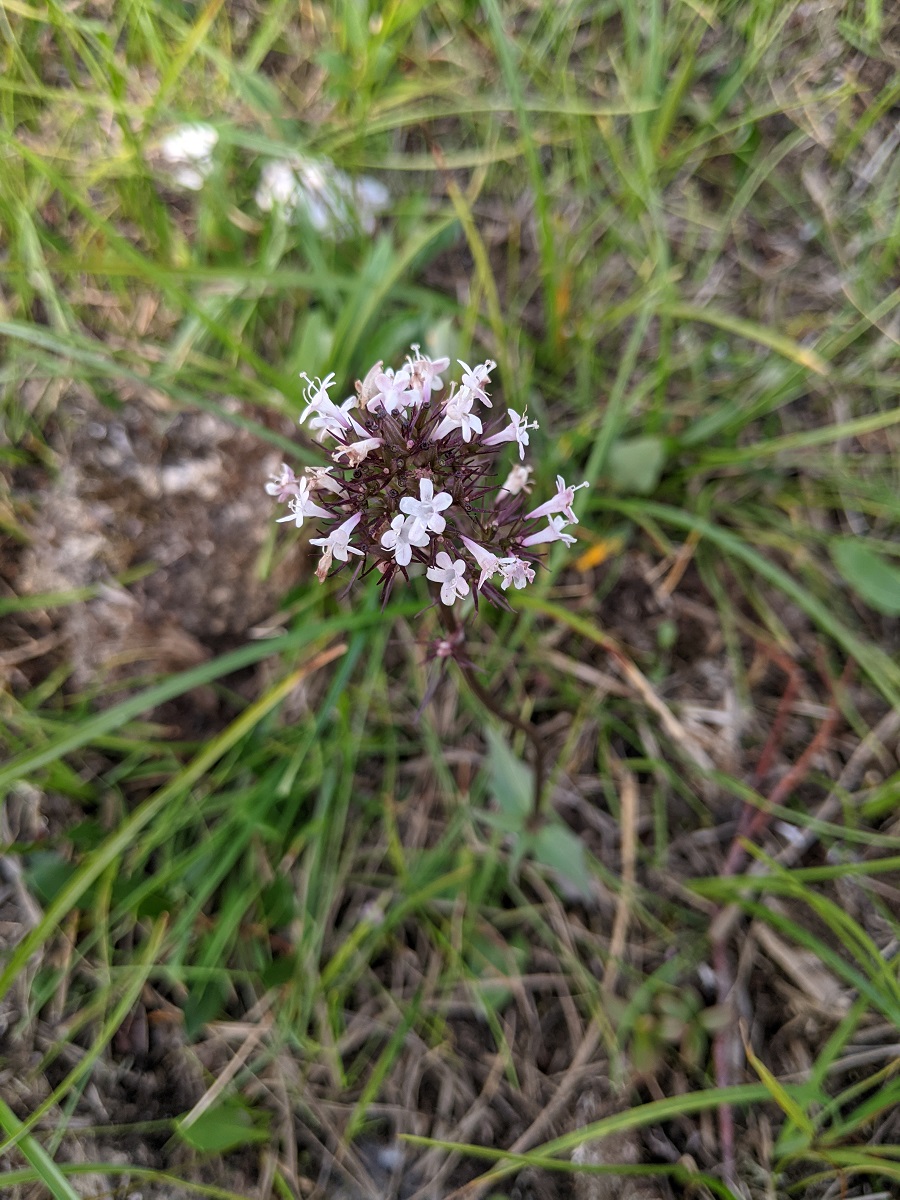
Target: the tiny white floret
(458, 415)
(449, 575)
(517, 572)
(188, 150)
(403, 534)
(426, 511)
(552, 532)
(336, 545)
(560, 503)
(515, 431)
(302, 506)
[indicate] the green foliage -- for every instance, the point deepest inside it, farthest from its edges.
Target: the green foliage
(548, 841)
(224, 1126)
(874, 578)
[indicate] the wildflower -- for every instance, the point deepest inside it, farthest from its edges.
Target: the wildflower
(426, 511)
(301, 506)
(358, 452)
(283, 486)
(329, 420)
(425, 376)
(336, 545)
(392, 392)
(517, 572)
(408, 491)
(515, 431)
(321, 194)
(552, 532)
(320, 479)
(489, 563)
(515, 482)
(403, 534)
(560, 503)
(449, 575)
(458, 415)
(188, 150)
(473, 379)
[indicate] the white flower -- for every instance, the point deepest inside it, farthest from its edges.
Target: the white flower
(329, 419)
(301, 505)
(283, 486)
(320, 480)
(449, 575)
(324, 196)
(458, 415)
(474, 378)
(316, 393)
(278, 186)
(336, 545)
(188, 149)
(560, 503)
(515, 482)
(426, 511)
(424, 375)
(357, 452)
(515, 571)
(553, 532)
(489, 563)
(391, 391)
(403, 534)
(515, 431)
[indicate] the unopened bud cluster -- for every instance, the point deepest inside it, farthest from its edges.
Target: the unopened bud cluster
(413, 483)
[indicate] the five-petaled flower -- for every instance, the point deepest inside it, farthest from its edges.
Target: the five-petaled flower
(560, 503)
(552, 532)
(336, 545)
(284, 485)
(302, 505)
(515, 431)
(426, 511)
(403, 534)
(393, 391)
(458, 415)
(449, 575)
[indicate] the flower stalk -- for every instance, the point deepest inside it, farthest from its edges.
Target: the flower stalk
(456, 638)
(413, 491)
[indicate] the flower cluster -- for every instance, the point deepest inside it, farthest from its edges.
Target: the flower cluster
(189, 152)
(299, 188)
(412, 482)
(332, 202)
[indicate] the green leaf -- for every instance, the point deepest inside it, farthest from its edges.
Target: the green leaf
(510, 780)
(224, 1127)
(874, 579)
(205, 1002)
(557, 847)
(45, 1168)
(278, 901)
(635, 464)
(47, 873)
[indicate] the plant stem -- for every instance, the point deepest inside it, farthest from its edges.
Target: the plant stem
(455, 630)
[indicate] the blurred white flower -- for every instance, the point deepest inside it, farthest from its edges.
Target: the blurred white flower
(515, 482)
(320, 193)
(188, 149)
